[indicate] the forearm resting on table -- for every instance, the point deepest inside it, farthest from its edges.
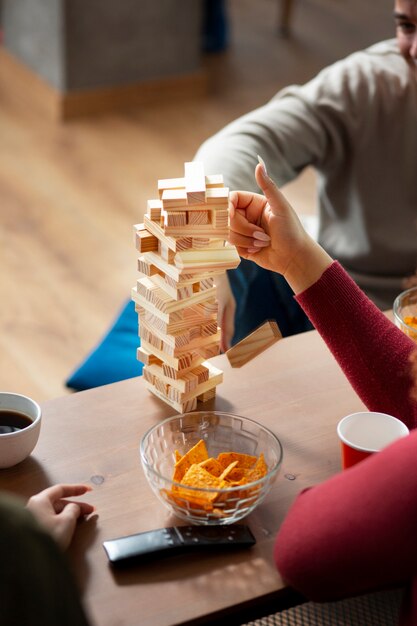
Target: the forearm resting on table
(355, 532)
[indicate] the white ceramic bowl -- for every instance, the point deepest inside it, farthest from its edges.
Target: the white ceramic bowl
(16, 446)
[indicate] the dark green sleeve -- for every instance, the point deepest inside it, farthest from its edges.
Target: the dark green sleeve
(36, 585)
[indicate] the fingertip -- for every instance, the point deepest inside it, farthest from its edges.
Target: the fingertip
(263, 166)
(261, 177)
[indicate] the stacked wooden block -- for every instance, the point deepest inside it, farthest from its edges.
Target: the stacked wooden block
(182, 246)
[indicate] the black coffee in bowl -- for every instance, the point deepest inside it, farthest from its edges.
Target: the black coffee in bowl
(12, 421)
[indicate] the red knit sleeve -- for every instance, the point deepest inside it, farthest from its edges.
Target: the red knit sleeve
(373, 353)
(356, 532)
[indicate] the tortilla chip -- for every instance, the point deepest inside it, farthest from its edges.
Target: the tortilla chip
(225, 474)
(196, 472)
(212, 466)
(197, 476)
(196, 454)
(245, 461)
(259, 470)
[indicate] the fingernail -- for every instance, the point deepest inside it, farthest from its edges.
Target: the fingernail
(253, 250)
(262, 162)
(259, 234)
(260, 244)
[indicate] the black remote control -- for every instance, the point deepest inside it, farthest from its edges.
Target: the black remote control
(175, 540)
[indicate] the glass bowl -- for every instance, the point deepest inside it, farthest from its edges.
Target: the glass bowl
(221, 432)
(405, 312)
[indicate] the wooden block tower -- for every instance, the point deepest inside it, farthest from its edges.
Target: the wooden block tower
(182, 248)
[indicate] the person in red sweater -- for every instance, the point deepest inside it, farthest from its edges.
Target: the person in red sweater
(356, 532)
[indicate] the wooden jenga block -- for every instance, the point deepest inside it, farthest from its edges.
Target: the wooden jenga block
(182, 243)
(181, 407)
(255, 343)
(175, 321)
(179, 392)
(174, 198)
(208, 329)
(174, 218)
(170, 183)
(147, 357)
(198, 217)
(225, 258)
(195, 182)
(207, 395)
(214, 180)
(180, 339)
(150, 289)
(176, 290)
(154, 208)
(206, 283)
(185, 362)
(188, 381)
(205, 242)
(209, 308)
(144, 240)
(175, 345)
(199, 230)
(207, 352)
(144, 267)
(147, 375)
(174, 272)
(220, 219)
(166, 253)
(218, 196)
(202, 372)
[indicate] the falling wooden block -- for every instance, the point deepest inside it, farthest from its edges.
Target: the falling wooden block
(195, 182)
(255, 343)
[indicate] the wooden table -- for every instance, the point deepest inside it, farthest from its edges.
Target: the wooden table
(295, 388)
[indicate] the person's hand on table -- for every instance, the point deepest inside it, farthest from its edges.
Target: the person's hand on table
(265, 229)
(57, 514)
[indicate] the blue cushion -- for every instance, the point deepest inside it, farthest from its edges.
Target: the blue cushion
(114, 357)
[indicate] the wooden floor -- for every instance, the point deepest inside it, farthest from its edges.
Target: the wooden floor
(69, 193)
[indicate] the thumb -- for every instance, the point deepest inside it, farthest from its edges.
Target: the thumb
(70, 513)
(275, 198)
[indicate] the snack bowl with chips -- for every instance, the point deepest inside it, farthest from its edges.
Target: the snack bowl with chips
(210, 467)
(405, 312)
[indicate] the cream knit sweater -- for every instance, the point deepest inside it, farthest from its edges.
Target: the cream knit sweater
(356, 124)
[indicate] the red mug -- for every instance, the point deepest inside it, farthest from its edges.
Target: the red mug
(362, 434)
